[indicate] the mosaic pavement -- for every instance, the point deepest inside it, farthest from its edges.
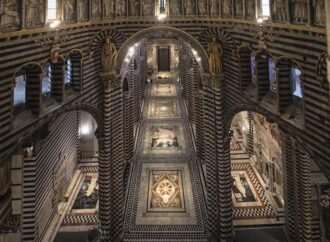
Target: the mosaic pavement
(165, 194)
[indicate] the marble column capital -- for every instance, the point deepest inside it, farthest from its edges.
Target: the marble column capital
(110, 80)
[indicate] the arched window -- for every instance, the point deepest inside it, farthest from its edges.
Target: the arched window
(68, 80)
(20, 92)
(265, 8)
(51, 10)
(295, 77)
(46, 81)
(272, 75)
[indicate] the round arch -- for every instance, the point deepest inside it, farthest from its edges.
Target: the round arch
(283, 125)
(139, 35)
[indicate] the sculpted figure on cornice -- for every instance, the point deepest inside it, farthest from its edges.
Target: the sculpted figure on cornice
(135, 7)
(319, 11)
(279, 10)
(120, 8)
(68, 7)
(226, 8)
(189, 7)
(202, 7)
(214, 7)
(300, 11)
(175, 6)
(96, 8)
(214, 51)
(83, 9)
(239, 8)
(250, 9)
(109, 8)
(34, 12)
(148, 8)
(9, 16)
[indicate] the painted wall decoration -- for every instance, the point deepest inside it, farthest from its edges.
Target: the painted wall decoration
(214, 7)
(189, 7)
(69, 10)
(83, 9)
(239, 8)
(120, 8)
(9, 16)
(148, 8)
(202, 7)
(96, 9)
(226, 8)
(299, 11)
(34, 13)
(319, 16)
(175, 7)
(134, 8)
(250, 12)
(279, 9)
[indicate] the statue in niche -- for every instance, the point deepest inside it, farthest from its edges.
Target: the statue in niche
(227, 8)
(239, 8)
(120, 8)
(109, 8)
(202, 7)
(188, 6)
(215, 56)
(9, 16)
(214, 7)
(34, 12)
(319, 11)
(135, 7)
(250, 10)
(68, 10)
(96, 9)
(279, 9)
(300, 11)
(175, 7)
(148, 8)
(109, 55)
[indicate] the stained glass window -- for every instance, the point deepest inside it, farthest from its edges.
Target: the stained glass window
(272, 74)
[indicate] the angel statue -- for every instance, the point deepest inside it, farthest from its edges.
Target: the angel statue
(109, 55)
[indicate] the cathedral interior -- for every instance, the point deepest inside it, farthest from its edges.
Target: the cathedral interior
(164, 120)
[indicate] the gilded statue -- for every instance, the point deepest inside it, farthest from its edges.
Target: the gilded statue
(279, 8)
(319, 6)
(215, 56)
(109, 55)
(300, 14)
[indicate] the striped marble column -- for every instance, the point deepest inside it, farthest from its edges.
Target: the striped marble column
(217, 158)
(250, 148)
(200, 144)
(111, 165)
(128, 126)
(191, 92)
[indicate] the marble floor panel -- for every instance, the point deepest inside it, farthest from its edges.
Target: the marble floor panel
(164, 139)
(160, 109)
(163, 90)
(249, 197)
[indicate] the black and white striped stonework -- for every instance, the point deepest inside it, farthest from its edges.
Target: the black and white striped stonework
(244, 68)
(58, 87)
(284, 85)
(76, 70)
(128, 126)
(33, 88)
(250, 143)
(191, 92)
(200, 140)
(262, 73)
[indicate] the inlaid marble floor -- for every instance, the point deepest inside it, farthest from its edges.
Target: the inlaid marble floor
(165, 199)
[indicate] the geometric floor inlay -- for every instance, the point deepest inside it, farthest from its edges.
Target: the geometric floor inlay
(249, 198)
(164, 109)
(166, 90)
(165, 191)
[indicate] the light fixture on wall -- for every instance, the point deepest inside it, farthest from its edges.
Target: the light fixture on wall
(162, 13)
